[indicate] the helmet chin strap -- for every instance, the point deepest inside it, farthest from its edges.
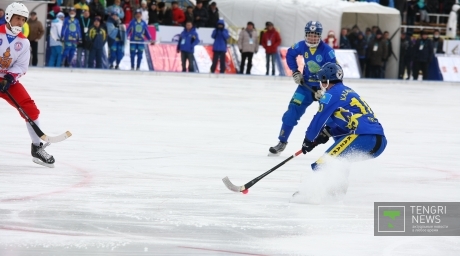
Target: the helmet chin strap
(14, 29)
(323, 88)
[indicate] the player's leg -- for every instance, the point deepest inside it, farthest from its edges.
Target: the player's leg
(354, 148)
(301, 99)
(140, 51)
(132, 53)
(72, 51)
(19, 93)
(222, 62)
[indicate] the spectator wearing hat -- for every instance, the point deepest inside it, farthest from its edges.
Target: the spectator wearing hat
(36, 32)
(423, 54)
(271, 40)
(153, 16)
(2, 17)
(213, 15)
(248, 45)
(137, 33)
(164, 15)
(186, 46)
(96, 8)
(219, 47)
(178, 16)
(145, 11)
(377, 50)
(71, 36)
(98, 37)
(331, 40)
(200, 14)
(84, 46)
(116, 8)
(116, 40)
(80, 7)
(55, 59)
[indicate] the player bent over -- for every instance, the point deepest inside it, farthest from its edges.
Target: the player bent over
(14, 62)
(315, 53)
(346, 117)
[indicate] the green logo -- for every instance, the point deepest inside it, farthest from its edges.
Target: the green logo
(392, 215)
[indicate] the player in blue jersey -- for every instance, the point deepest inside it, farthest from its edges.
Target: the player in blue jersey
(346, 117)
(137, 32)
(315, 53)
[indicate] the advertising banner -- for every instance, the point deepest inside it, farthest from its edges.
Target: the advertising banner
(450, 68)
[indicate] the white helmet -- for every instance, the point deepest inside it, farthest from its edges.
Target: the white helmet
(18, 9)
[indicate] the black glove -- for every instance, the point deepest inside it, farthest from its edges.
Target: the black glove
(7, 81)
(323, 136)
(308, 146)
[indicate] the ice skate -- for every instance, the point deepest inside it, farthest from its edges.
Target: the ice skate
(41, 157)
(276, 150)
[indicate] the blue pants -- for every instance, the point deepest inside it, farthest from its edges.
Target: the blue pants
(55, 57)
(116, 52)
(364, 144)
(300, 101)
(69, 52)
(136, 49)
(95, 55)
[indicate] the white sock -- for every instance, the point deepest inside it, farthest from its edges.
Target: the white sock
(35, 139)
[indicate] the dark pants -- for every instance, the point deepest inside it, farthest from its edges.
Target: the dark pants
(362, 64)
(217, 56)
(267, 60)
(244, 56)
(375, 71)
(403, 66)
(184, 56)
(423, 66)
(34, 47)
(95, 55)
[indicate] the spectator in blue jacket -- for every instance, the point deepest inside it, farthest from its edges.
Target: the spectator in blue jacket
(98, 37)
(2, 17)
(71, 36)
(137, 33)
(219, 48)
(186, 46)
(115, 40)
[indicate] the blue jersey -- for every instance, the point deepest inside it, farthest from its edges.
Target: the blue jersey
(345, 112)
(138, 31)
(314, 58)
(70, 31)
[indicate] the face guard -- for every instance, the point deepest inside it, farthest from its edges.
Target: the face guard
(312, 39)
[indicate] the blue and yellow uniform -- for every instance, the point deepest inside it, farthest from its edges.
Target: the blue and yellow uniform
(314, 58)
(71, 35)
(137, 32)
(350, 121)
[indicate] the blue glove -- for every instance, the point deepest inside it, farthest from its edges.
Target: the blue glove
(308, 146)
(7, 81)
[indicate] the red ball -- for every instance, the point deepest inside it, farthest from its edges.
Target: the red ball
(245, 191)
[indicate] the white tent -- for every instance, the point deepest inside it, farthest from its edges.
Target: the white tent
(290, 17)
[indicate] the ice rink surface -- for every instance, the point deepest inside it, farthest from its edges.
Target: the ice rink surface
(141, 174)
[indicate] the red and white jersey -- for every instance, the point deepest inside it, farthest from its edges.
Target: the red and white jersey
(14, 53)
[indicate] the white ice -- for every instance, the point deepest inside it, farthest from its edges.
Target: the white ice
(141, 174)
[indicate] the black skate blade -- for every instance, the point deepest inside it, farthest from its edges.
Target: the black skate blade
(274, 154)
(38, 161)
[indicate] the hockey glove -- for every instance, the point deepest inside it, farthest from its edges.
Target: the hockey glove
(298, 77)
(323, 136)
(318, 94)
(7, 81)
(308, 146)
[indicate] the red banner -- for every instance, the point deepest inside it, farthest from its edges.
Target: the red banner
(165, 58)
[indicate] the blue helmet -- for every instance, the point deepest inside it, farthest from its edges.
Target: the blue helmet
(330, 71)
(314, 29)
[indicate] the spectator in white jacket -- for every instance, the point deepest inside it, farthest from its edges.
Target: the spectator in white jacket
(55, 41)
(145, 11)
